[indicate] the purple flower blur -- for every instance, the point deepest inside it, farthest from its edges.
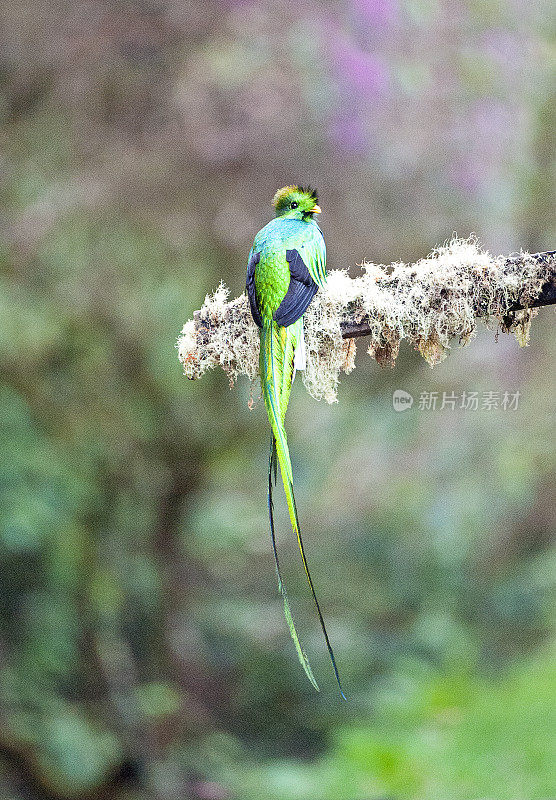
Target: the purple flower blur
(362, 72)
(347, 133)
(378, 12)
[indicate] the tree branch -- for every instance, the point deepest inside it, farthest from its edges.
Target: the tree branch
(546, 297)
(429, 303)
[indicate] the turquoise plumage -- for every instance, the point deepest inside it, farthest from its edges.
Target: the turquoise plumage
(286, 267)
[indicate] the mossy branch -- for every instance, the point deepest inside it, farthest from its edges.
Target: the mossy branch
(429, 303)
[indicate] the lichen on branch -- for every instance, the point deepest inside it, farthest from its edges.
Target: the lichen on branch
(430, 303)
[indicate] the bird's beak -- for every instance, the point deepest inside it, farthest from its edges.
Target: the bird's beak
(315, 210)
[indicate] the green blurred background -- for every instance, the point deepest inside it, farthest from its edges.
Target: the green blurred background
(143, 651)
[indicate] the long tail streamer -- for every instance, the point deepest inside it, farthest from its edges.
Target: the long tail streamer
(281, 585)
(273, 373)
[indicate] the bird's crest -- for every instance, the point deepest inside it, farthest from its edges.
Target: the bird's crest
(280, 198)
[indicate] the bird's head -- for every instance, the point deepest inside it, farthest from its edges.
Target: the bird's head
(295, 202)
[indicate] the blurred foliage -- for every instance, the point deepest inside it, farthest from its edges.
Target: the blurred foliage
(143, 653)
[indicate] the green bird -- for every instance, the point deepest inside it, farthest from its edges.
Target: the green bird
(286, 267)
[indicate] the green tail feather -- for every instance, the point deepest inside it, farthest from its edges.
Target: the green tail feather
(291, 503)
(272, 376)
(272, 471)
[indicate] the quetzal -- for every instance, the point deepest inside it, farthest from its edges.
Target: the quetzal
(287, 265)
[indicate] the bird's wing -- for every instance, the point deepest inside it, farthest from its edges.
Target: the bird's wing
(307, 263)
(301, 290)
(254, 259)
(313, 250)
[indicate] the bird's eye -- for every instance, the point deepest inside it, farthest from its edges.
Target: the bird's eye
(294, 204)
